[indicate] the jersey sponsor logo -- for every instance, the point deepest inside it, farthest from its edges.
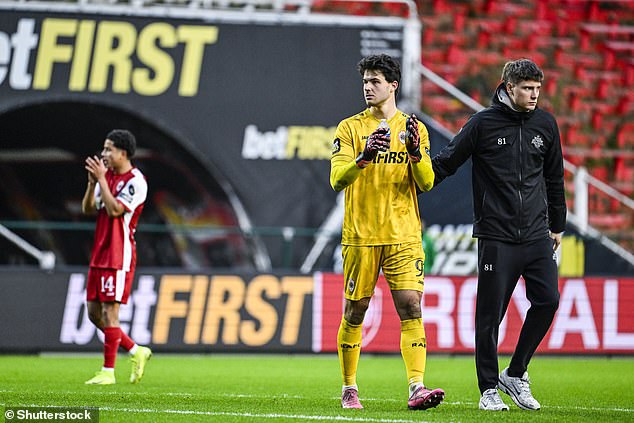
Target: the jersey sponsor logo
(537, 141)
(336, 146)
(392, 157)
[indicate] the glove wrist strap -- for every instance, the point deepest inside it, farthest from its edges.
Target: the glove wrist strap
(415, 156)
(362, 163)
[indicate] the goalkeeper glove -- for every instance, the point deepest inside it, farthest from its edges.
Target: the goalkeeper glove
(379, 140)
(412, 139)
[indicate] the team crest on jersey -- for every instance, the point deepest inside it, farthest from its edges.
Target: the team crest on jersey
(127, 196)
(336, 146)
(119, 186)
(401, 137)
(351, 285)
(537, 141)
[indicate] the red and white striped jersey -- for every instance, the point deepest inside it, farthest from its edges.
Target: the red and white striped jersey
(114, 246)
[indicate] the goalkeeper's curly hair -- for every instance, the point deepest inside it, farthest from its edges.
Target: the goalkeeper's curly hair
(123, 139)
(389, 67)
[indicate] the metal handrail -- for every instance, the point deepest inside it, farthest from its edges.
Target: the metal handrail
(449, 88)
(602, 186)
(46, 259)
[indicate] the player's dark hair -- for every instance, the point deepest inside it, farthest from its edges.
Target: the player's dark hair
(124, 140)
(520, 70)
(390, 68)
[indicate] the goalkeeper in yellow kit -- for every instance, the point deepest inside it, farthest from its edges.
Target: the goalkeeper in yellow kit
(380, 165)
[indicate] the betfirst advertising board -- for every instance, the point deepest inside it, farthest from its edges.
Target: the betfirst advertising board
(252, 102)
(180, 312)
(238, 110)
(596, 315)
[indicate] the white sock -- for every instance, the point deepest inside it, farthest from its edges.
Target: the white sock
(107, 369)
(344, 387)
(133, 349)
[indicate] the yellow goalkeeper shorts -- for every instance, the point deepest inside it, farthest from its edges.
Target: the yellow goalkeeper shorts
(402, 266)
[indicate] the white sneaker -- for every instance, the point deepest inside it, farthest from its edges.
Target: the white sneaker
(491, 401)
(519, 390)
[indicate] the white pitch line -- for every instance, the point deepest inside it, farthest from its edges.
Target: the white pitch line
(179, 394)
(287, 396)
(561, 407)
(269, 415)
(235, 414)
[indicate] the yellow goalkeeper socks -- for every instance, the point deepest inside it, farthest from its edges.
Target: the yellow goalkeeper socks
(349, 349)
(414, 349)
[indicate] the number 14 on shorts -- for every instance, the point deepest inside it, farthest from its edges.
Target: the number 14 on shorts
(107, 285)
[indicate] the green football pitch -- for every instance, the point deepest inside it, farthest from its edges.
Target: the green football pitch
(306, 388)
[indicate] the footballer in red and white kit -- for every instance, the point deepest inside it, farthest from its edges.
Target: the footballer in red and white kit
(113, 258)
(115, 193)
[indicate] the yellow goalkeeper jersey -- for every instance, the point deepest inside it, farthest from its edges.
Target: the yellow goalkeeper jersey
(381, 205)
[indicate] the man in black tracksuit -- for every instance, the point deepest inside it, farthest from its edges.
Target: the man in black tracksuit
(519, 216)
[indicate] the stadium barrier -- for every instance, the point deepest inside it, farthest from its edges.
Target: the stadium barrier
(174, 311)
(289, 246)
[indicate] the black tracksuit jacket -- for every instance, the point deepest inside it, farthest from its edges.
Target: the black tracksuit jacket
(517, 174)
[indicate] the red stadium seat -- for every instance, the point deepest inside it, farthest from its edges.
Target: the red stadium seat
(609, 220)
(585, 46)
(625, 136)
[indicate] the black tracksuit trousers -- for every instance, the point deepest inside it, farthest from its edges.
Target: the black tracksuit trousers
(500, 264)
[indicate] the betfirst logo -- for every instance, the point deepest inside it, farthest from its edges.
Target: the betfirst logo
(94, 56)
(220, 310)
(288, 142)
